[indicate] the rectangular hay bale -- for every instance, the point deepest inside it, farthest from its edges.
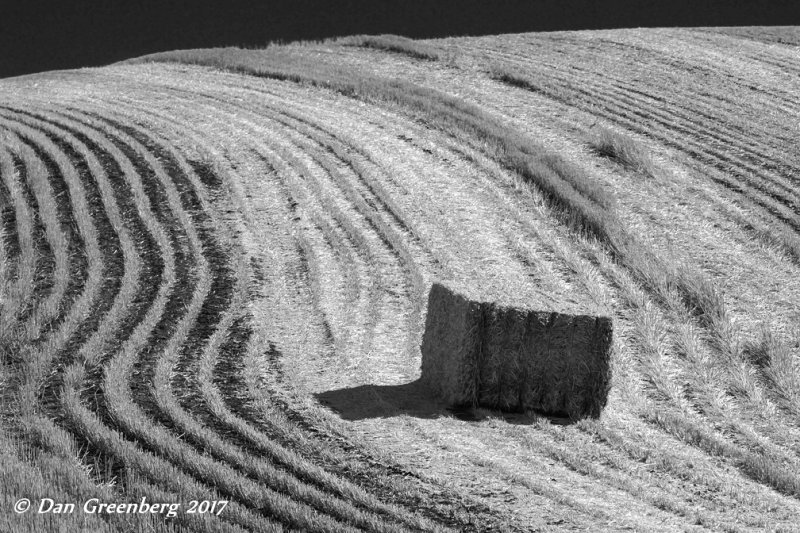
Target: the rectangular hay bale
(511, 357)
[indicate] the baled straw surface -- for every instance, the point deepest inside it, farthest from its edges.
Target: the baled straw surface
(477, 352)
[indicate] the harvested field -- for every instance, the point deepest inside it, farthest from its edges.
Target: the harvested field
(215, 268)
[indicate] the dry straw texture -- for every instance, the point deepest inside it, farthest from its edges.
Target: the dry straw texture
(476, 352)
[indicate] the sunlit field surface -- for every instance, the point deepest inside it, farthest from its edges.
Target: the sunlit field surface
(215, 265)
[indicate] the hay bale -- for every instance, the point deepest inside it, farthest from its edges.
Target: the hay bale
(513, 357)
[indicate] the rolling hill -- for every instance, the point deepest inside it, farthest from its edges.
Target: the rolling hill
(214, 269)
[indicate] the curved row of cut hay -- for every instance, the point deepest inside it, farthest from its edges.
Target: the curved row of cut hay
(694, 131)
(115, 410)
(766, 229)
(268, 475)
(163, 442)
(19, 237)
(744, 72)
(105, 264)
(637, 102)
(112, 331)
(641, 100)
(204, 113)
(339, 219)
(37, 367)
(291, 460)
(50, 345)
(394, 271)
(9, 247)
(70, 275)
(664, 500)
(747, 381)
(49, 277)
(764, 515)
(736, 379)
(349, 489)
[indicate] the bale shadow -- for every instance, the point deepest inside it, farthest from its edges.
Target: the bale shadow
(414, 399)
(383, 401)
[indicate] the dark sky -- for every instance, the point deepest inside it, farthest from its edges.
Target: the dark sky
(37, 36)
